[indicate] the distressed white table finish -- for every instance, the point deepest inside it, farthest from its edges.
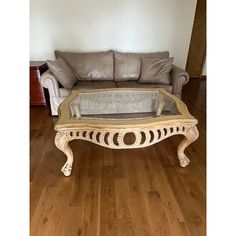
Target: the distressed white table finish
(106, 116)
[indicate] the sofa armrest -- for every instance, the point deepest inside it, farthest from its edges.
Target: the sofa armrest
(179, 77)
(49, 81)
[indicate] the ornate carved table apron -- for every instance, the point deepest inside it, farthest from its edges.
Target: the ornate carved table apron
(106, 116)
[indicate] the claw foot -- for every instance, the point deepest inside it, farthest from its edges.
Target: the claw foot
(184, 161)
(66, 169)
(189, 138)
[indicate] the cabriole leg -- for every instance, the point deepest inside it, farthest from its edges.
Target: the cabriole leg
(61, 141)
(189, 138)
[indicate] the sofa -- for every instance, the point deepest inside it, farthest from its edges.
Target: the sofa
(113, 69)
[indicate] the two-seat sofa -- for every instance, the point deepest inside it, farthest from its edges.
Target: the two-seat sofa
(110, 69)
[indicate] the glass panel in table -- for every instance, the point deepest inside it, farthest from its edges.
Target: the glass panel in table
(121, 105)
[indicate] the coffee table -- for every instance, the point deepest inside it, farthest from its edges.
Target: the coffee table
(108, 116)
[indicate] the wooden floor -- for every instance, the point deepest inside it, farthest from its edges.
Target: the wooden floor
(118, 192)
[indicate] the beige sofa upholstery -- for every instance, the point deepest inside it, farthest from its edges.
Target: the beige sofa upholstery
(108, 70)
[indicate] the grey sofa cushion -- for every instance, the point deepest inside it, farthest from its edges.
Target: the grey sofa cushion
(135, 84)
(94, 66)
(63, 72)
(87, 85)
(156, 70)
(128, 65)
(154, 54)
(69, 57)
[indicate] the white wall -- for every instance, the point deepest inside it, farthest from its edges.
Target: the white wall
(125, 25)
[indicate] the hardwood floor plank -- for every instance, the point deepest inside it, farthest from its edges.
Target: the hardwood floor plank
(44, 176)
(188, 203)
(39, 220)
(79, 188)
(72, 223)
(96, 158)
(108, 202)
(81, 150)
(123, 205)
(49, 216)
(42, 138)
(90, 222)
(36, 119)
(167, 195)
(59, 204)
(159, 220)
(136, 190)
(107, 157)
(119, 164)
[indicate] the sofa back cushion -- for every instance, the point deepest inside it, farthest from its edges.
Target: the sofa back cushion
(69, 57)
(92, 66)
(128, 65)
(63, 72)
(155, 70)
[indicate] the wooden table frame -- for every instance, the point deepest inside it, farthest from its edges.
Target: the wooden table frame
(111, 133)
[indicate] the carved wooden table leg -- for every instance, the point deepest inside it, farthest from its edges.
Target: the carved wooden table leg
(189, 138)
(61, 141)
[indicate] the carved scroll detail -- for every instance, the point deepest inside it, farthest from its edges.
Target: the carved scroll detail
(107, 138)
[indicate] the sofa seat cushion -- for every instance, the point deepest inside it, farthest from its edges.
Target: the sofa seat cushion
(87, 85)
(95, 84)
(128, 65)
(64, 92)
(91, 66)
(155, 70)
(135, 84)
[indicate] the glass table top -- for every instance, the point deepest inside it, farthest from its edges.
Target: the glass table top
(122, 105)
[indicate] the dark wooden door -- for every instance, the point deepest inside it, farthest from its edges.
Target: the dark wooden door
(197, 48)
